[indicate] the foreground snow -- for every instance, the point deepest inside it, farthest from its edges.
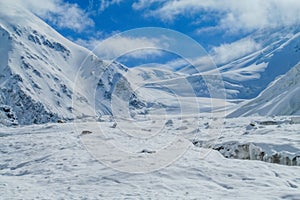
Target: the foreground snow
(55, 161)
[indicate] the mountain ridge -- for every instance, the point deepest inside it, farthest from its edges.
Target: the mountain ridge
(281, 97)
(45, 77)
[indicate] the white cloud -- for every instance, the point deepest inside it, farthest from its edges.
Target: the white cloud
(177, 63)
(228, 52)
(218, 56)
(106, 3)
(231, 15)
(59, 13)
(141, 4)
(114, 47)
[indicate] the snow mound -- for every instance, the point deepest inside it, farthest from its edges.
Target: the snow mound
(262, 152)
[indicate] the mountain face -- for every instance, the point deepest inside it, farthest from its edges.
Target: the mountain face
(247, 76)
(273, 60)
(44, 77)
(281, 97)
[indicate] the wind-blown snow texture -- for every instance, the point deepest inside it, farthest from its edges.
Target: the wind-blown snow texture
(50, 162)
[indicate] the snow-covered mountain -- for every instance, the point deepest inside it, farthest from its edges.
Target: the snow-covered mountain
(279, 55)
(281, 97)
(45, 77)
(177, 92)
(245, 77)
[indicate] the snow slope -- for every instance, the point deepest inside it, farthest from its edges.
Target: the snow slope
(178, 93)
(281, 97)
(45, 77)
(50, 161)
(245, 77)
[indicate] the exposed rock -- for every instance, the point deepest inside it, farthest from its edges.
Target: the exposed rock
(147, 151)
(84, 132)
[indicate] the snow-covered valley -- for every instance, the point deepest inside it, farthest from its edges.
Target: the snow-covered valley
(51, 161)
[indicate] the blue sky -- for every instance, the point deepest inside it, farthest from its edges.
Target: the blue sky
(111, 17)
(223, 28)
(122, 16)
